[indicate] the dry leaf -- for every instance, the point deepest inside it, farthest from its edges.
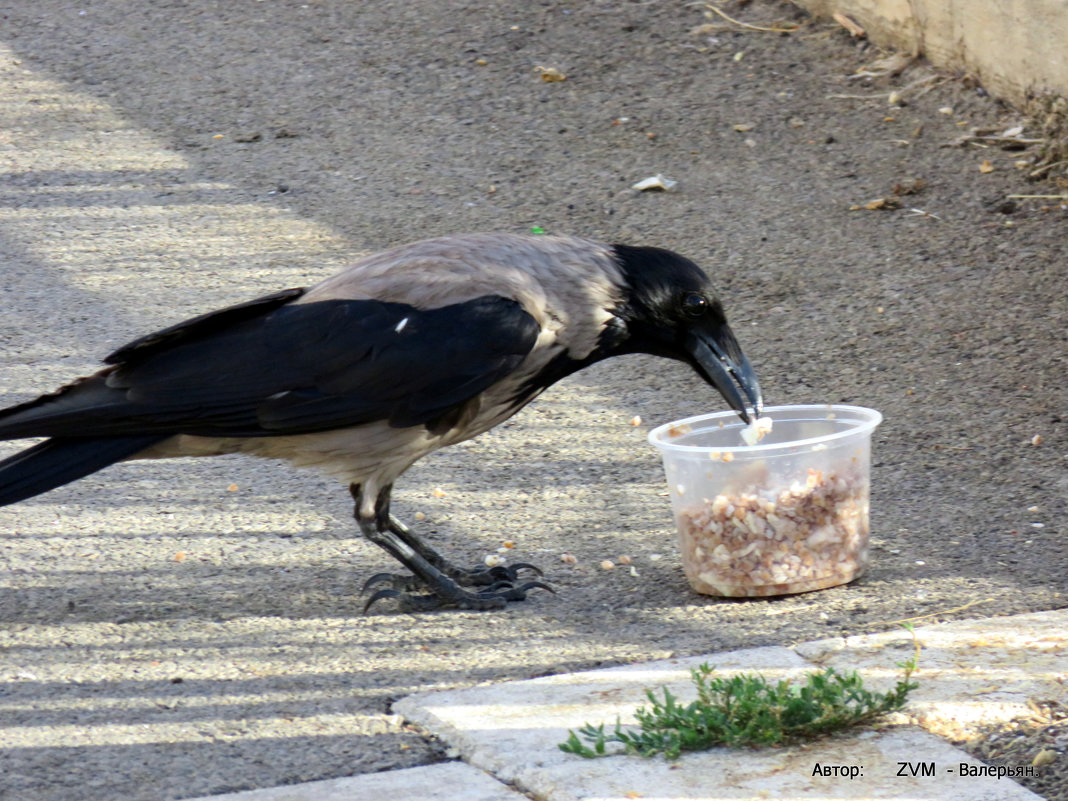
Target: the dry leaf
(986, 167)
(879, 204)
(893, 64)
(849, 25)
(1044, 757)
(909, 186)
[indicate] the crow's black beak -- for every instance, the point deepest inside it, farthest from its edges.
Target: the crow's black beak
(718, 358)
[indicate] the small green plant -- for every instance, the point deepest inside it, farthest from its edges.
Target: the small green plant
(745, 710)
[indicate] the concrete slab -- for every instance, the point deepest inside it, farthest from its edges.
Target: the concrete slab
(450, 781)
(514, 729)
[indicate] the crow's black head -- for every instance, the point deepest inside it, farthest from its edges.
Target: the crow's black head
(671, 310)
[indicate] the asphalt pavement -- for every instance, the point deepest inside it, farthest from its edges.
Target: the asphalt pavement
(188, 628)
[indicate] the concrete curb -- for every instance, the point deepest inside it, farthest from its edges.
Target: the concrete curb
(449, 781)
(971, 673)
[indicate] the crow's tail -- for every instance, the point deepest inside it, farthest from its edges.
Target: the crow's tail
(60, 460)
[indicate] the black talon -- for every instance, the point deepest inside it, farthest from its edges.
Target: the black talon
(525, 566)
(379, 596)
(395, 580)
(375, 579)
(535, 585)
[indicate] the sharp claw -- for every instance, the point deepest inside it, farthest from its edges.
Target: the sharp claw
(397, 581)
(524, 566)
(509, 573)
(406, 601)
(377, 577)
(378, 596)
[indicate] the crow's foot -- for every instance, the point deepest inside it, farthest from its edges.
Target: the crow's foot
(487, 578)
(435, 582)
(454, 597)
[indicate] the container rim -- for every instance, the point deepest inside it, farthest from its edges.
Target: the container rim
(870, 419)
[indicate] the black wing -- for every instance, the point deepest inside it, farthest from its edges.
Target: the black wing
(204, 325)
(293, 368)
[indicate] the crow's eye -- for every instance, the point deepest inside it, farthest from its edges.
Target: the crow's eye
(694, 304)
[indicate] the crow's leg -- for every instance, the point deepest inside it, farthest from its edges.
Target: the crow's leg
(478, 577)
(444, 591)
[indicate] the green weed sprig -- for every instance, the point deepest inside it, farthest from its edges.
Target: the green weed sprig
(745, 710)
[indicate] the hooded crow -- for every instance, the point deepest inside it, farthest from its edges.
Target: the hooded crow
(407, 351)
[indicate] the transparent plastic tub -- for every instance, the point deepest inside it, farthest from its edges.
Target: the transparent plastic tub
(786, 515)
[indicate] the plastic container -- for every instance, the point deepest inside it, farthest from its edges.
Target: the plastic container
(786, 515)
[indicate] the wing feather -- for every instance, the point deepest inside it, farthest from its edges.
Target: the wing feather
(293, 368)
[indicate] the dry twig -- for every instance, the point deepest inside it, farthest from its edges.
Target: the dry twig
(969, 139)
(746, 25)
(931, 81)
(1046, 168)
(932, 614)
(850, 25)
